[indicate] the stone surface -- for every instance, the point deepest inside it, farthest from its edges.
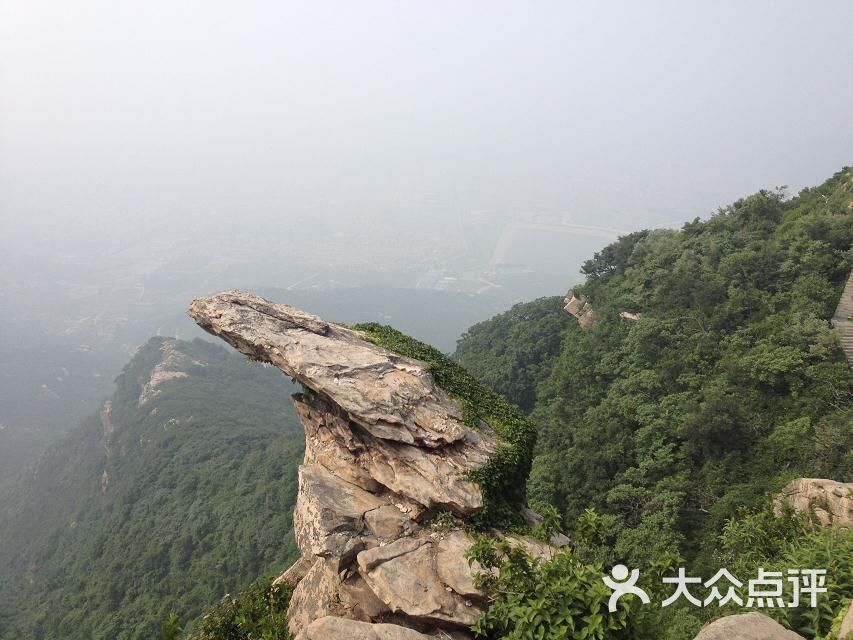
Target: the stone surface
(385, 450)
(315, 596)
(406, 429)
(331, 512)
(405, 575)
(173, 365)
(579, 308)
(296, 571)
(845, 632)
(531, 518)
(429, 477)
(746, 626)
(843, 318)
(391, 397)
(388, 521)
(830, 501)
(332, 628)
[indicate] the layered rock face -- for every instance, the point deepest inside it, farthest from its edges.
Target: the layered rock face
(386, 450)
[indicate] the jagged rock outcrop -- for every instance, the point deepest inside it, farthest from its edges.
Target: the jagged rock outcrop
(173, 365)
(342, 629)
(385, 450)
(746, 626)
(579, 308)
(829, 501)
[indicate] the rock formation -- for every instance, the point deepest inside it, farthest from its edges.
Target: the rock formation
(173, 365)
(386, 450)
(579, 308)
(829, 501)
(746, 626)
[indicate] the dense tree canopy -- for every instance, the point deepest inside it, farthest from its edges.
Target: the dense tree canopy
(731, 382)
(199, 501)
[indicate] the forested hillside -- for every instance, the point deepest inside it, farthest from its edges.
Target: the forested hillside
(676, 425)
(177, 493)
(662, 434)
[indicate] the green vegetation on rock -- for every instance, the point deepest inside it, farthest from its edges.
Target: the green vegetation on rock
(502, 479)
(258, 613)
(788, 540)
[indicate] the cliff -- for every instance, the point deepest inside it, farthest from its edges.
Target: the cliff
(387, 452)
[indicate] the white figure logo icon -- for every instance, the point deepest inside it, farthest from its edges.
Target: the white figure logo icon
(622, 585)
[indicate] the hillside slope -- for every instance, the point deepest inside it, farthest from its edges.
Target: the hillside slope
(181, 489)
(731, 382)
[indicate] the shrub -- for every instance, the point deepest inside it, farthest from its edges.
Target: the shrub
(503, 478)
(258, 613)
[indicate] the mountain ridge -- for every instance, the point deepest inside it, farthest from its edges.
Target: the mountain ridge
(220, 506)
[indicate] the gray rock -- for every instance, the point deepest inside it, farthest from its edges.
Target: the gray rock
(314, 597)
(331, 512)
(331, 628)
(746, 626)
(387, 521)
(404, 574)
(296, 571)
(391, 397)
(829, 501)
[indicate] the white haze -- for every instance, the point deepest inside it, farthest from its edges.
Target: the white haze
(118, 117)
(425, 164)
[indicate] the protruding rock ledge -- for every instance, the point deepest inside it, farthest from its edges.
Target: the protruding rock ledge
(391, 397)
(385, 449)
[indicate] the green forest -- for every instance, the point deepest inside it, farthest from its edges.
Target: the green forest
(665, 436)
(199, 502)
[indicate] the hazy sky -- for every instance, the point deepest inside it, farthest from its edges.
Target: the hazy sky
(117, 113)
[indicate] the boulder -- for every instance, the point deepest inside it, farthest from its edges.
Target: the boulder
(831, 502)
(579, 308)
(315, 596)
(331, 512)
(429, 477)
(330, 627)
(746, 626)
(426, 578)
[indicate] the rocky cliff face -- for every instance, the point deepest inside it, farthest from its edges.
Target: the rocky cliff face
(386, 451)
